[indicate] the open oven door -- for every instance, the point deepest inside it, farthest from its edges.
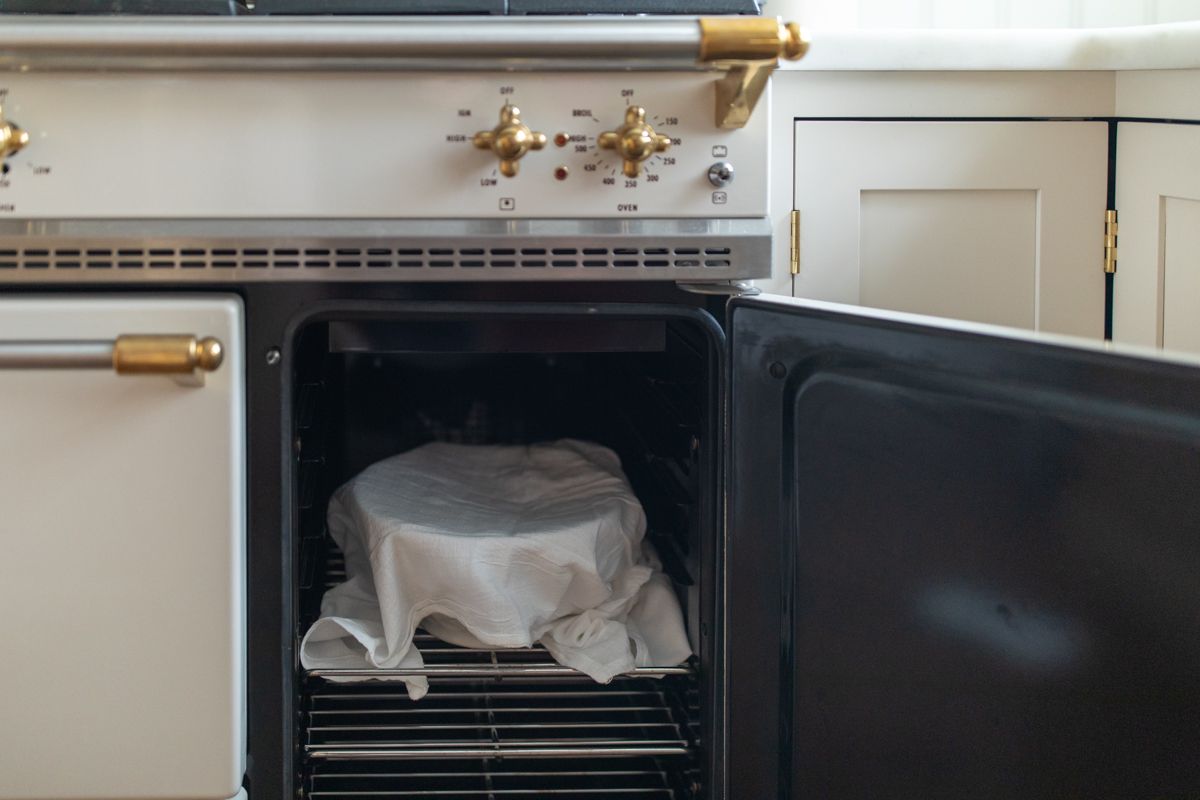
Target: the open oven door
(962, 561)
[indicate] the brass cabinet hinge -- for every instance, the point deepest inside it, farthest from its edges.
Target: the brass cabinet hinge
(1110, 241)
(794, 251)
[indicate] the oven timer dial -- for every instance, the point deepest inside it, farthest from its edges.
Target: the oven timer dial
(635, 141)
(12, 137)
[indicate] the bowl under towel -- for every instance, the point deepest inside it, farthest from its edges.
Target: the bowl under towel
(496, 546)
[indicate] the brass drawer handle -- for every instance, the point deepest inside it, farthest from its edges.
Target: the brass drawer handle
(183, 356)
(136, 354)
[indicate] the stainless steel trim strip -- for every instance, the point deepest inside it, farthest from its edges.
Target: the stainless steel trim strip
(606, 43)
(233, 230)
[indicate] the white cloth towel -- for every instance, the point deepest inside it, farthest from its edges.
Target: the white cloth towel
(496, 546)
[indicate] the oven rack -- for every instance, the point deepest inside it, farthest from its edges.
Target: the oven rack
(447, 662)
(510, 719)
(496, 779)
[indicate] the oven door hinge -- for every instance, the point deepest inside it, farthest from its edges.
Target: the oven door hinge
(722, 288)
(794, 246)
(1110, 241)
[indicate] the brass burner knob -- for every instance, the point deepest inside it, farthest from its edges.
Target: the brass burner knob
(510, 140)
(12, 137)
(635, 141)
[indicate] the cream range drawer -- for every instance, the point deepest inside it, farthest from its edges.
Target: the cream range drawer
(122, 527)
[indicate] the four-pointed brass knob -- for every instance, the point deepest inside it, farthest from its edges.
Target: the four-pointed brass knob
(510, 140)
(635, 141)
(12, 138)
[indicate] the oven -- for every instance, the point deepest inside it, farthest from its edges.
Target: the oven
(244, 259)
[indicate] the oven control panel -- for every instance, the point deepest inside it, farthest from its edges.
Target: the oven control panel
(374, 145)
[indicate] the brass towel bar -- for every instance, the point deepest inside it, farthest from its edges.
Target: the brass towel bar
(182, 356)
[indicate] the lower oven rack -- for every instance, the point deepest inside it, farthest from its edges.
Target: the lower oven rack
(643, 779)
(510, 719)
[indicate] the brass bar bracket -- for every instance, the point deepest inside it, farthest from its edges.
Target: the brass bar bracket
(748, 50)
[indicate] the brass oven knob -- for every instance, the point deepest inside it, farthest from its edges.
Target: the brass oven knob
(635, 141)
(12, 137)
(510, 140)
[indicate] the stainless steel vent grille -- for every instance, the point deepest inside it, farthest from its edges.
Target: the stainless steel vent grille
(382, 258)
(406, 250)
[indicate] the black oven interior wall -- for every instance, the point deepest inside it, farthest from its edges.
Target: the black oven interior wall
(644, 383)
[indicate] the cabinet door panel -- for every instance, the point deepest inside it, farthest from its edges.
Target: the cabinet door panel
(1157, 286)
(997, 227)
(1181, 274)
(985, 221)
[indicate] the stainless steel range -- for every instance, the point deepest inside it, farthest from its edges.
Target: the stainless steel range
(243, 256)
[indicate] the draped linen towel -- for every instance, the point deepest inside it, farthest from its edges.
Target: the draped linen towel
(496, 546)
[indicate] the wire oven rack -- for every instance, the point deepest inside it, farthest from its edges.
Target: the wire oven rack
(448, 661)
(509, 719)
(496, 724)
(604, 779)
(444, 660)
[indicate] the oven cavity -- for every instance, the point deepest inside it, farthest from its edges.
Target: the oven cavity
(510, 723)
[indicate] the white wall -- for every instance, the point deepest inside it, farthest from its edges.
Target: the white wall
(982, 13)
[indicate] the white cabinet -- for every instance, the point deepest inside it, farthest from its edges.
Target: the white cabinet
(1157, 285)
(990, 221)
(122, 533)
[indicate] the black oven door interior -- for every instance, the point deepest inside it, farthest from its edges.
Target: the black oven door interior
(978, 555)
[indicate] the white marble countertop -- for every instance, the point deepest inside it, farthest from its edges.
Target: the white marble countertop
(1144, 47)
